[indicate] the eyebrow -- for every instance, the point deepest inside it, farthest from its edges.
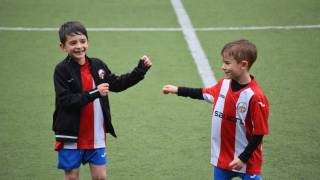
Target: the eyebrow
(226, 59)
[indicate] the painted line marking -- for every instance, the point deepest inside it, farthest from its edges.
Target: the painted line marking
(109, 29)
(194, 45)
(168, 29)
(248, 28)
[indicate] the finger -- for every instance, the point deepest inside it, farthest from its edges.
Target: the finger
(144, 57)
(101, 86)
(147, 63)
(232, 164)
(105, 84)
(237, 168)
(165, 90)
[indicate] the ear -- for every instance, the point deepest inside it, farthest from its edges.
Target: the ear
(244, 64)
(62, 47)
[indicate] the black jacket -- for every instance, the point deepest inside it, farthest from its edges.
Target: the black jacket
(70, 98)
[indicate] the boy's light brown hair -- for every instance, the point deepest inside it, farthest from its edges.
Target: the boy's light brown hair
(240, 50)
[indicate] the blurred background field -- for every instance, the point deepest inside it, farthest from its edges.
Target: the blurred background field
(160, 137)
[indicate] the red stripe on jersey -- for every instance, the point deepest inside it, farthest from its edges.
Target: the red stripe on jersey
(86, 130)
(228, 128)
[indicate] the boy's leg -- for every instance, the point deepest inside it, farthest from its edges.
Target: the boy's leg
(71, 174)
(70, 160)
(97, 160)
(98, 172)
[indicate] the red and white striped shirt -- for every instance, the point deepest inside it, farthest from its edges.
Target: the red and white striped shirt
(236, 117)
(92, 133)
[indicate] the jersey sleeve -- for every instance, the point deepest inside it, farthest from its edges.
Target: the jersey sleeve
(194, 93)
(259, 112)
(209, 93)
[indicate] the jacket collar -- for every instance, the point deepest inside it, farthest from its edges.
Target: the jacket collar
(71, 61)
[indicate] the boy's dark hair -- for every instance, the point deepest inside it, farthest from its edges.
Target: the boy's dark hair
(71, 28)
(241, 50)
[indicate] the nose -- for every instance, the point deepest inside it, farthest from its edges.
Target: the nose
(223, 66)
(78, 45)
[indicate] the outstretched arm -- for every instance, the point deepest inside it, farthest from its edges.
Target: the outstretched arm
(194, 93)
(124, 81)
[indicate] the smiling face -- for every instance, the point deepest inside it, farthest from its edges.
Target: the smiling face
(76, 46)
(237, 58)
(235, 69)
(231, 68)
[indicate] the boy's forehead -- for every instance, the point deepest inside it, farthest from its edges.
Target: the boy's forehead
(227, 57)
(75, 36)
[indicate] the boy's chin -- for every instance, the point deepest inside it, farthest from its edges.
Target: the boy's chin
(78, 57)
(227, 76)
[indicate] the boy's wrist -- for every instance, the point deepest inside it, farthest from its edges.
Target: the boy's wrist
(244, 157)
(142, 66)
(94, 93)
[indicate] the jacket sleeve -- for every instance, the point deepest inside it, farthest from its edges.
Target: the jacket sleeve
(66, 94)
(124, 81)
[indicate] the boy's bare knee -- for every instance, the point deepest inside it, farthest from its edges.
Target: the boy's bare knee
(71, 175)
(98, 172)
(99, 177)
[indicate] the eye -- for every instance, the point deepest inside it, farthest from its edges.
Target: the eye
(83, 41)
(226, 62)
(73, 42)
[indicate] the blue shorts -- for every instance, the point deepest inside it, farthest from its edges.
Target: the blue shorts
(221, 174)
(72, 158)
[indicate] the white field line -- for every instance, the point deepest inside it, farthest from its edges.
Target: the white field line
(193, 42)
(199, 56)
(165, 29)
(246, 28)
(109, 29)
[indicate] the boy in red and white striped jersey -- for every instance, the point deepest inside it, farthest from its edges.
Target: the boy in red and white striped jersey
(240, 114)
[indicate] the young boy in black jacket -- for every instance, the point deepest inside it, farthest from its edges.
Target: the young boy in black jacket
(82, 116)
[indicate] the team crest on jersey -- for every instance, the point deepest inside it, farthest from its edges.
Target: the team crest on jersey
(101, 73)
(242, 107)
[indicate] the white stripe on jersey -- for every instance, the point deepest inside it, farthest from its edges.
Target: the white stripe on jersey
(99, 134)
(68, 145)
(241, 113)
(216, 123)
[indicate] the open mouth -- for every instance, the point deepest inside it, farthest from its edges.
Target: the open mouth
(79, 52)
